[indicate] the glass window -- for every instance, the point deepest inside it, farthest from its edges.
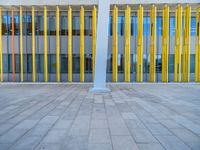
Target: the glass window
(110, 26)
(40, 25)
(24, 26)
(29, 63)
(4, 25)
(5, 63)
(192, 63)
(52, 63)
(39, 63)
(133, 63)
(64, 25)
(51, 25)
(171, 63)
(159, 26)
(88, 25)
(25, 63)
(133, 25)
(64, 63)
(88, 63)
(17, 63)
(120, 63)
(76, 63)
(158, 64)
(76, 25)
(172, 26)
(28, 25)
(121, 25)
(145, 63)
(16, 25)
(9, 63)
(146, 26)
(9, 25)
(193, 26)
(109, 64)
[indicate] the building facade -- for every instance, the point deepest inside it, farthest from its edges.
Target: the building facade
(149, 41)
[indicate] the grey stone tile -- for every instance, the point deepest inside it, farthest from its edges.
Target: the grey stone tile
(78, 131)
(187, 124)
(169, 123)
(48, 146)
(39, 130)
(142, 136)
(4, 146)
(134, 124)
(99, 115)
(150, 146)
(17, 119)
(171, 142)
(116, 122)
(148, 119)
(49, 120)
(194, 145)
(99, 147)
(12, 135)
(115, 130)
(158, 129)
(99, 136)
(77, 143)
(26, 124)
(63, 124)
(5, 127)
(124, 142)
(99, 123)
(26, 143)
(55, 136)
(153, 116)
(129, 115)
(186, 135)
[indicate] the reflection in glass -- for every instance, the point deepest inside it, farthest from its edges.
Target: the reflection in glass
(75, 25)
(4, 25)
(64, 25)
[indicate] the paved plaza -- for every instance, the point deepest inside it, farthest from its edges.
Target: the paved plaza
(130, 117)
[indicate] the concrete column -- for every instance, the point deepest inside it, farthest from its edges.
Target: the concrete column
(101, 47)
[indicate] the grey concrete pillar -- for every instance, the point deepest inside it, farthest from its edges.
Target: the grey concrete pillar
(101, 47)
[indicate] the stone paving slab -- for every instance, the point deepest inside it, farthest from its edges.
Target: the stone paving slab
(130, 117)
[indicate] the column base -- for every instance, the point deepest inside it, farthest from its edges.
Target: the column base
(99, 90)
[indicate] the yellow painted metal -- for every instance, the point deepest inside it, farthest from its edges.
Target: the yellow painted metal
(197, 54)
(165, 43)
(70, 44)
(1, 55)
(115, 45)
(21, 45)
(57, 44)
(140, 45)
(186, 44)
(33, 46)
(178, 44)
(94, 32)
(45, 46)
(82, 44)
(127, 45)
(153, 44)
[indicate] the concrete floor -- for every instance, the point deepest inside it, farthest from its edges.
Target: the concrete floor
(131, 117)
